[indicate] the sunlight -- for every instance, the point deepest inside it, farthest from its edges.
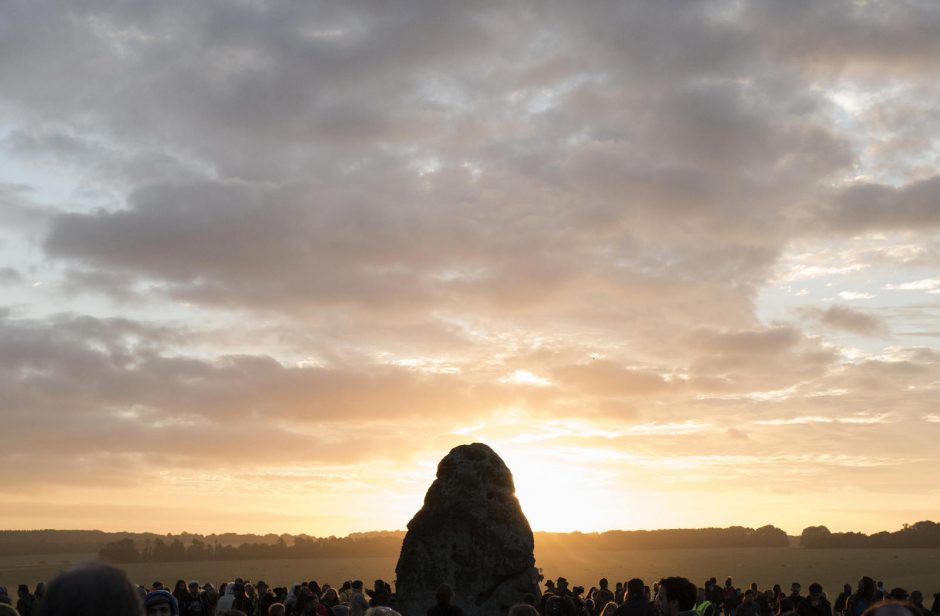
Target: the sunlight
(524, 377)
(561, 493)
(546, 489)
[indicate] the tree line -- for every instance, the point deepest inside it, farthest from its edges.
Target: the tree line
(125, 547)
(732, 537)
(924, 534)
(157, 550)
(126, 550)
(49, 541)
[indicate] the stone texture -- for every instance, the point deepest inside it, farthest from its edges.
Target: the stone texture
(471, 534)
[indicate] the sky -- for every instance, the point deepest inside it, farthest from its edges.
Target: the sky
(263, 264)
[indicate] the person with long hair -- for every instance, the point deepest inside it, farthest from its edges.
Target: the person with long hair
(92, 589)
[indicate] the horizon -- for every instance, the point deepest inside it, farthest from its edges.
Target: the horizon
(263, 266)
(404, 530)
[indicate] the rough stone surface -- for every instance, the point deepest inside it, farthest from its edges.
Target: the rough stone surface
(471, 534)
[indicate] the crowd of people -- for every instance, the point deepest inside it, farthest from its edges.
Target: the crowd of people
(676, 596)
(97, 589)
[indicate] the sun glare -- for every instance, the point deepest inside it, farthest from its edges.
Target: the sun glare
(556, 496)
(524, 377)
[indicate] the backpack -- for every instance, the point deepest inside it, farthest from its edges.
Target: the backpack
(702, 608)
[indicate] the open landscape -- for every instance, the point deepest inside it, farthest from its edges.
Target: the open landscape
(659, 280)
(909, 568)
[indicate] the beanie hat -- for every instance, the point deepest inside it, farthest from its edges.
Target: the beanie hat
(156, 597)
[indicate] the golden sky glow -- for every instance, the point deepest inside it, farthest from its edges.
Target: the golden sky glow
(261, 267)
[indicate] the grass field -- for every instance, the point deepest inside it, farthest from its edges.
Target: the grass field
(909, 568)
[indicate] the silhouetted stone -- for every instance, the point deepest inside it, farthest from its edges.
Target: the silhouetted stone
(471, 534)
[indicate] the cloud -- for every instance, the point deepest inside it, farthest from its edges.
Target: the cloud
(9, 276)
(605, 378)
(867, 206)
(847, 319)
(111, 390)
(18, 211)
(860, 419)
(848, 36)
(768, 363)
(668, 429)
(325, 223)
(809, 272)
(925, 284)
(522, 180)
(766, 341)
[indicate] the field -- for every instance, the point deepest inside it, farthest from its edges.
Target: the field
(908, 568)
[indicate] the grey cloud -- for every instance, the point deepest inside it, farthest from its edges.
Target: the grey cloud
(867, 207)
(18, 211)
(237, 244)
(767, 341)
(257, 80)
(528, 203)
(847, 319)
(849, 36)
(9, 276)
(925, 355)
(118, 286)
(107, 169)
(58, 144)
(756, 362)
(219, 242)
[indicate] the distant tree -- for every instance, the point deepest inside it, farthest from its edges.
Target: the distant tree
(176, 551)
(160, 552)
(198, 550)
(815, 537)
(882, 539)
(919, 534)
(771, 537)
(122, 551)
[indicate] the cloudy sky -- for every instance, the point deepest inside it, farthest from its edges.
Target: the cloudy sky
(263, 264)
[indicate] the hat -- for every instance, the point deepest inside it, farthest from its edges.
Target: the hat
(156, 597)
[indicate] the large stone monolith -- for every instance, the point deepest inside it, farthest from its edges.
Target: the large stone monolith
(470, 534)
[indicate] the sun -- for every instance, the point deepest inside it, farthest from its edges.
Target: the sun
(555, 496)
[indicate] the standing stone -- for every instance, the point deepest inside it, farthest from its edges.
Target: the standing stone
(470, 534)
